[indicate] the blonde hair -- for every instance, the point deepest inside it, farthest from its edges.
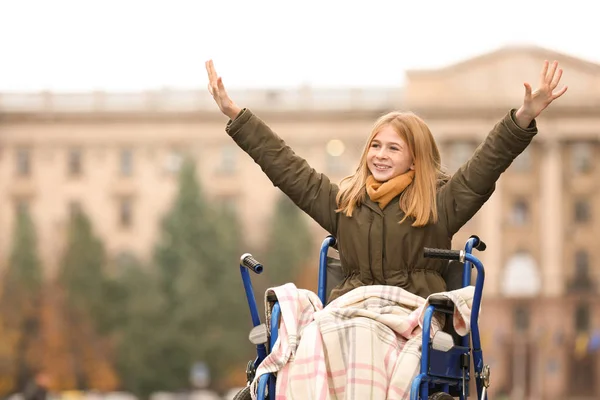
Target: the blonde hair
(418, 201)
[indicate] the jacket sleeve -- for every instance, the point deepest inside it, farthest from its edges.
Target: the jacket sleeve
(311, 191)
(475, 181)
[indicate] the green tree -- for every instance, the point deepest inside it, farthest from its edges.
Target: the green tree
(231, 323)
(83, 272)
(289, 243)
(90, 306)
(21, 295)
(197, 300)
(141, 342)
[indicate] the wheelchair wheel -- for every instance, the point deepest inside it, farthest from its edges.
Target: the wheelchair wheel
(441, 396)
(243, 394)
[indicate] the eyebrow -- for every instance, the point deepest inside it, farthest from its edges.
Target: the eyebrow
(389, 143)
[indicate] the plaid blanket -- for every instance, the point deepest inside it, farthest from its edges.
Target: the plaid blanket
(363, 345)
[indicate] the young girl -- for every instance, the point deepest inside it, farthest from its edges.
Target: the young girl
(398, 200)
(365, 344)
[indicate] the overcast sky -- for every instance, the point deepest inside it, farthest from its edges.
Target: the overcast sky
(125, 45)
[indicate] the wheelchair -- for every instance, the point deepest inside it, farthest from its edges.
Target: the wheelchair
(445, 371)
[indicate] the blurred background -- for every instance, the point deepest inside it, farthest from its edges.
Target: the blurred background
(124, 206)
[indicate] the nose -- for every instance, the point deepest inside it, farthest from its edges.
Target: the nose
(382, 153)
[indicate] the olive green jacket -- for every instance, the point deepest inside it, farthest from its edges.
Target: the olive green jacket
(374, 248)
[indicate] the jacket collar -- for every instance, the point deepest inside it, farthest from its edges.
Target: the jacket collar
(372, 205)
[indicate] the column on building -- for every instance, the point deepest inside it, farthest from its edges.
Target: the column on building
(551, 222)
(551, 363)
(491, 233)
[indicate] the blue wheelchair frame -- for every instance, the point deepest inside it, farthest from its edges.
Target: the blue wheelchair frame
(440, 370)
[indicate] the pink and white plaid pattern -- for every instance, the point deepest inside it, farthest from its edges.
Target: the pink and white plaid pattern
(363, 345)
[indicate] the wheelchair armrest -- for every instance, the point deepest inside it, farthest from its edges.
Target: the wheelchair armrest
(442, 304)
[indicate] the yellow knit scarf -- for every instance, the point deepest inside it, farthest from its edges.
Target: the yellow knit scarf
(384, 192)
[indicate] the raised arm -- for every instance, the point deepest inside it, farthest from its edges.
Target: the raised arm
(309, 190)
(475, 181)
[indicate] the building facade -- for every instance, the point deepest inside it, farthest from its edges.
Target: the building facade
(117, 155)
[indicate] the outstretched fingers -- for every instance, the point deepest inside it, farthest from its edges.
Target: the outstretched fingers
(550, 78)
(556, 79)
(559, 93)
(207, 64)
(551, 72)
(544, 72)
(213, 80)
(553, 79)
(212, 73)
(212, 76)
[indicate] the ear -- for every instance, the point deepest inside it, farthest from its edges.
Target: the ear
(412, 167)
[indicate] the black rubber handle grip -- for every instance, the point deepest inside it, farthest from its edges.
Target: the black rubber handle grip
(442, 254)
(250, 262)
(480, 245)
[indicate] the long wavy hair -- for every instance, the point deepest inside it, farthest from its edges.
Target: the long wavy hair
(418, 201)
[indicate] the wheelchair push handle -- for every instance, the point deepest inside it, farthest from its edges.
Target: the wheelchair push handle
(478, 243)
(250, 262)
(443, 254)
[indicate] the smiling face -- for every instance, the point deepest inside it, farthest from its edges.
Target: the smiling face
(388, 155)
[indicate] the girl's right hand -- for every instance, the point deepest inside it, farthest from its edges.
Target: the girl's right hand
(218, 92)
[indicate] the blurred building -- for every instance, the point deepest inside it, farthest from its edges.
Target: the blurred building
(117, 155)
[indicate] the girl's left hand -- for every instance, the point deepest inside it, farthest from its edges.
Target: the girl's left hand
(535, 102)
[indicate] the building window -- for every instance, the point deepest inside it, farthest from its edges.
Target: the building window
(334, 162)
(458, 154)
(581, 280)
(582, 211)
(272, 95)
(74, 209)
(523, 162)
(582, 318)
(335, 165)
(228, 162)
(174, 162)
(519, 213)
(522, 276)
(126, 162)
(23, 162)
(582, 157)
(125, 212)
(75, 162)
(75, 166)
(21, 206)
(581, 263)
(521, 318)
